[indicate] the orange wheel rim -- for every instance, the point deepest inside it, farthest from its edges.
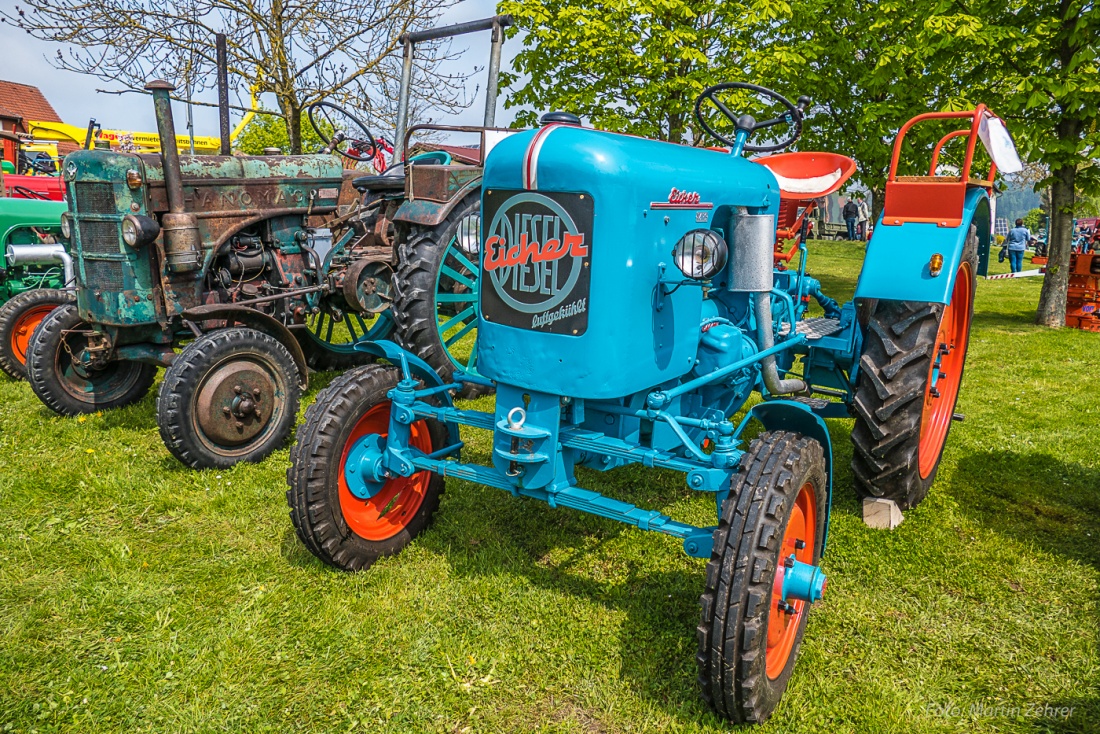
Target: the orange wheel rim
(390, 510)
(783, 625)
(945, 373)
(23, 329)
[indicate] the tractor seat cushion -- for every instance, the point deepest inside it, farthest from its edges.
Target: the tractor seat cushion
(379, 183)
(808, 175)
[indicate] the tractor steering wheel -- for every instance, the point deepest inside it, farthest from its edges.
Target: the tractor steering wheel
(792, 117)
(341, 130)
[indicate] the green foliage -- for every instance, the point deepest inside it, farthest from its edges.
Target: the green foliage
(635, 67)
(270, 131)
(137, 596)
(1034, 219)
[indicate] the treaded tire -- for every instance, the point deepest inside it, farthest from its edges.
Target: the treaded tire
(212, 363)
(415, 312)
(18, 318)
(737, 599)
(49, 371)
(899, 347)
(316, 464)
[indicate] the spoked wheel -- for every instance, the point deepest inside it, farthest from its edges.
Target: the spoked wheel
(910, 373)
(67, 380)
(19, 317)
(230, 396)
(754, 609)
(437, 291)
(330, 338)
(342, 529)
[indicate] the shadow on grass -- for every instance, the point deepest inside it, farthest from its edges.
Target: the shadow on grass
(1033, 497)
(1022, 319)
(1072, 716)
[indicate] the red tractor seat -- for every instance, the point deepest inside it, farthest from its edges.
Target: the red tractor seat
(808, 175)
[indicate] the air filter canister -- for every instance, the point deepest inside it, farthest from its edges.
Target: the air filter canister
(751, 246)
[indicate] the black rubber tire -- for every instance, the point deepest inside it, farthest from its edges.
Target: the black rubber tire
(898, 349)
(44, 358)
(177, 401)
(415, 314)
(315, 463)
(733, 631)
(10, 315)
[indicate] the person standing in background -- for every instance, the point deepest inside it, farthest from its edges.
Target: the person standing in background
(863, 217)
(1016, 242)
(850, 214)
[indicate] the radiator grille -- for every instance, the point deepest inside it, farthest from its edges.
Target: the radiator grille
(104, 275)
(99, 237)
(95, 198)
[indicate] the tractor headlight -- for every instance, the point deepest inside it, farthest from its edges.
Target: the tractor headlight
(469, 235)
(700, 254)
(66, 225)
(138, 231)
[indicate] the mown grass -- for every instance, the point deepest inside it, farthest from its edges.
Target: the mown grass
(136, 595)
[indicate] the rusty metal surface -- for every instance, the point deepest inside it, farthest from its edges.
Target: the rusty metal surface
(438, 183)
(236, 402)
(430, 213)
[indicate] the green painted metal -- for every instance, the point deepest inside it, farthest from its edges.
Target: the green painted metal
(28, 222)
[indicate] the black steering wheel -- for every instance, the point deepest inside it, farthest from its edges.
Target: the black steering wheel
(341, 133)
(792, 117)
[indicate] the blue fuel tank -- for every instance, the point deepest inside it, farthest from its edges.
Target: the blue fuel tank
(578, 229)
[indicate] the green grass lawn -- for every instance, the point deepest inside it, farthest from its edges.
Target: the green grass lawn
(136, 595)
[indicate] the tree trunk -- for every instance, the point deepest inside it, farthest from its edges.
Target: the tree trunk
(878, 202)
(293, 114)
(1052, 299)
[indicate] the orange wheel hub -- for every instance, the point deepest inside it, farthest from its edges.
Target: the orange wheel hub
(800, 539)
(945, 373)
(24, 328)
(388, 512)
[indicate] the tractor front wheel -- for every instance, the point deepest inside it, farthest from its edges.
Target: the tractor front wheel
(68, 383)
(338, 527)
(230, 396)
(749, 634)
(909, 378)
(19, 317)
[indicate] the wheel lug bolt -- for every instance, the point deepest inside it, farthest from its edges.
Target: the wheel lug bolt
(934, 392)
(788, 562)
(237, 389)
(256, 393)
(239, 425)
(799, 544)
(226, 410)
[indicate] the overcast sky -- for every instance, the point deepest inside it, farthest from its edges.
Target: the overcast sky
(75, 99)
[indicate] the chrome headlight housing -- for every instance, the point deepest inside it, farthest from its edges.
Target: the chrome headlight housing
(468, 236)
(66, 225)
(700, 254)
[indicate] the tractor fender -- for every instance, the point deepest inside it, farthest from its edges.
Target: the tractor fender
(260, 322)
(430, 213)
(788, 415)
(418, 368)
(896, 266)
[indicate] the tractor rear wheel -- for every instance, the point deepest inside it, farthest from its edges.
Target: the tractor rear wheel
(230, 396)
(336, 526)
(748, 637)
(909, 378)
(65, 383)
(436, 292)
(19, 317)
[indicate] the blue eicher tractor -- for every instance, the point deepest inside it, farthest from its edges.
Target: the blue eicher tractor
(631, 305)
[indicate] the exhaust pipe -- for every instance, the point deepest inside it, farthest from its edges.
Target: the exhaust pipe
(751, 268)
(182, 244)
(42, 255)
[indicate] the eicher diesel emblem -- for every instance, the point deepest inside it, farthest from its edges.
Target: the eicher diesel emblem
(681, 200)
(537, 259)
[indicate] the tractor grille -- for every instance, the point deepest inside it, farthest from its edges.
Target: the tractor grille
(104, 275)
(99, 237)
(95, 198)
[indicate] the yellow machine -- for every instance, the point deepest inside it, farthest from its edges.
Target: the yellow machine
(43, 132)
